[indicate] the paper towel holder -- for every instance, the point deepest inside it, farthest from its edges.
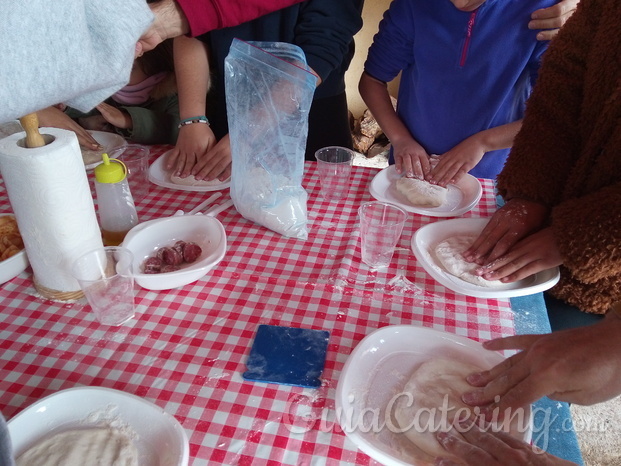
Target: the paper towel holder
(30, 123)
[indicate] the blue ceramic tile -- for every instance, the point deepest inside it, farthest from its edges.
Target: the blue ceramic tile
(288, 356)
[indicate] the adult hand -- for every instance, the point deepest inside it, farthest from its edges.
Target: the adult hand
(115, 116)
(580, 365)
(169, 21)
(193, 143)
(509, 224)
(552, 18)
(216, 163)
(533, 254)
(458, 161)
(411, 158)
(477, 447)
(55, 118)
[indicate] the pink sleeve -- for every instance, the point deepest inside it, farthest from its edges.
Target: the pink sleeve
(207, 15)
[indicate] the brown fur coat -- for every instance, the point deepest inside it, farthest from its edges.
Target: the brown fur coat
(568, 153)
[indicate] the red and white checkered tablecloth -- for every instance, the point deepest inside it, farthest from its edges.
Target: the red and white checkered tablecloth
(186, 349)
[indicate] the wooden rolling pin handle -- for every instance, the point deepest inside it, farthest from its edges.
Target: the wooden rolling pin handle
(30, 123)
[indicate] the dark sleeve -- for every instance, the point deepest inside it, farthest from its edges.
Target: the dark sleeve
(155, 124)
(206, 15)
(325, 31)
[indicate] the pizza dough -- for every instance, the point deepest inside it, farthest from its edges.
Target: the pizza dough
(93, 447)
(436, 388)
(449, 252)
(421, 193)
(91, 156)
(192, 181)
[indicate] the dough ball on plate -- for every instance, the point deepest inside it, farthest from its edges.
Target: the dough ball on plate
(192, 181)
(431, 400)
(449, 253)
(95, 446)
(90, 156)
(421, 193)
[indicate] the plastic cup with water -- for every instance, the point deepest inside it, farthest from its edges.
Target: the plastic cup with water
(105, 277)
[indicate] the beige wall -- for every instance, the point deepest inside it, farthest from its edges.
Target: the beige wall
(371, 16)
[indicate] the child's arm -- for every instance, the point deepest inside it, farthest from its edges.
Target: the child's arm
(192, 72)
(464, 156)
(410, 157)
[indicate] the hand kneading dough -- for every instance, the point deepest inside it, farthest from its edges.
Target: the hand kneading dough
(421, 193)
(449, 252)
(84, 447)
(191, 181)
(429, 413)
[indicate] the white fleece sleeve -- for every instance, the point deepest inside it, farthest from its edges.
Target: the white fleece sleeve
(77, 52)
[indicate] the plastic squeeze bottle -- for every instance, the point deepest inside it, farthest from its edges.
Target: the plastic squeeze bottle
(115, 204)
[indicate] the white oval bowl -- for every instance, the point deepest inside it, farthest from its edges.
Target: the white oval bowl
(146, 238)
(14, 265)
(376, 371)
(158, 436)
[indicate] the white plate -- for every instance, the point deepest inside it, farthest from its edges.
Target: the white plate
(376, 372)
(159, 176)
(426, 238)
(158, 436)
(108, 140)
(14, 265)
(10, 127)
(461, 197)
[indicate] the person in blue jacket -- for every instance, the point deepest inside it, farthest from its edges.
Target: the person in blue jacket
(467, 67)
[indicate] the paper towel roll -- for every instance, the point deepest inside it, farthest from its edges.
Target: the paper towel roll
(51, 198)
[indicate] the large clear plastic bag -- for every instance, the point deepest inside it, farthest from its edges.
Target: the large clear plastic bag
(269, 91)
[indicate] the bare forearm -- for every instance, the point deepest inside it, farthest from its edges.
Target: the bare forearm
(500, 137)
(192, 73)
(375, 95)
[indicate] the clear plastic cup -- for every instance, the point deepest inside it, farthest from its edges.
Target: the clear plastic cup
(334, 165)
(136, 159)
(381, 225)
(105, 277)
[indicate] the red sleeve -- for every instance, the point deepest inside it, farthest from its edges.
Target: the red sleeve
(207, 15)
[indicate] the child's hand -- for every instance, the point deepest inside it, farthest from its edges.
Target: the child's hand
(457, 162)
(216, 163)
(95, 123)
(55, 118)
(115, 116)
(411, 159)
(193, 142)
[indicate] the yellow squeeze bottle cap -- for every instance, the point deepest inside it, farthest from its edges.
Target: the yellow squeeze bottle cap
(110, 171)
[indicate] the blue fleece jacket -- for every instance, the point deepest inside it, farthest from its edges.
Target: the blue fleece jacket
(462, 72)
